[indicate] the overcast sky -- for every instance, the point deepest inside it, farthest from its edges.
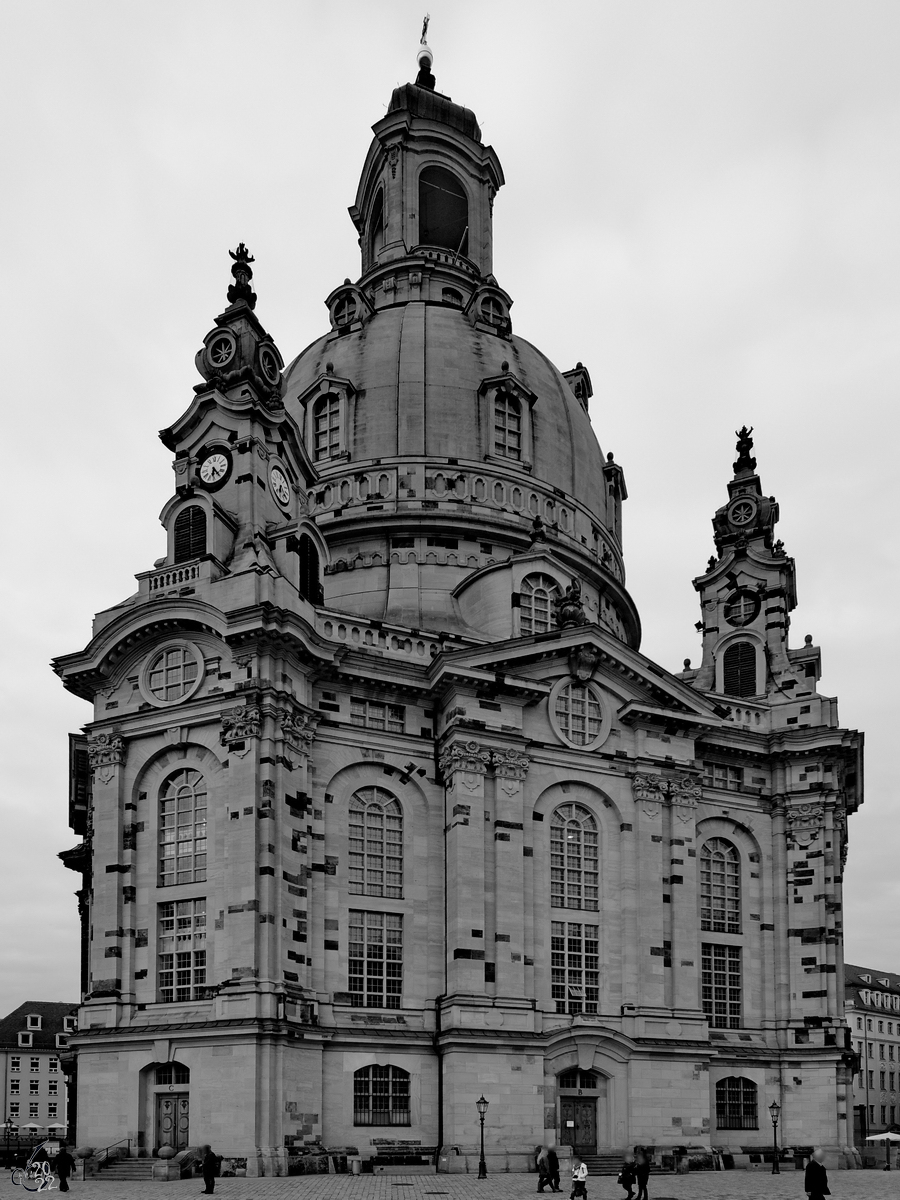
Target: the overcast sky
(702, 205)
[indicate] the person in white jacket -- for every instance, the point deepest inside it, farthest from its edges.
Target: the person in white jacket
(579, 1179)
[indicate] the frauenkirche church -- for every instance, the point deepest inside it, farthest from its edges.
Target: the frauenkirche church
(383, 809)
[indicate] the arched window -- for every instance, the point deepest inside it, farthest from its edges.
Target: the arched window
(173, 1072)
(376, 227)
(190, 533)
(375, 863)
(577, 713)
(720, 887)
(736, 1103)
(739, 670)
(309, 583)
(585, 1081)
(182, 828)
(536, 604)
(443, 211)
(326, 427)
(574, 859)
(507, 426)
(381, 1096)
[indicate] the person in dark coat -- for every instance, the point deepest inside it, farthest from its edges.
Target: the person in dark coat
(64, 1166)
(642, 1172)
(543, 1170)
(627, 1177)
(209, 1166)
(815, 1181)
(553, 1169)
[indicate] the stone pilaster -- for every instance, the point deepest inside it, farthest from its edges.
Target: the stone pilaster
(510, 768)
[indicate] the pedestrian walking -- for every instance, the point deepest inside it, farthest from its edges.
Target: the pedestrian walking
(540, 1162)
(64, 1166)
(209, 1165)
(641, 1172)
(579, 1179)
(553, 1169)
(627, 1177)
(815, 1181)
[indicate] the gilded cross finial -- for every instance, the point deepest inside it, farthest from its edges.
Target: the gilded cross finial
(425, 58)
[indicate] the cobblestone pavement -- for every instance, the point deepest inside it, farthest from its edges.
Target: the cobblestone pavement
(729, 1185)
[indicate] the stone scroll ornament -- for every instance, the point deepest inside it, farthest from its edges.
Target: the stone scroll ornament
(106, 751)
(510, 768)
(804, 822)
(239, 725)
(685, 790)
(299, 728)
(468, 757)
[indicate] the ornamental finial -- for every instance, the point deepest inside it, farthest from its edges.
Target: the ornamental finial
(744, 445)
(425, 58)
(242, 273)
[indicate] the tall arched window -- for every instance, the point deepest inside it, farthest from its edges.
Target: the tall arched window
(182, 828)
(190, 533)
(381, 1096)
(326, 427)
(376, 844)
(720, 887)
(507, 426)
(443, 211)
(736, 1103)
(574, 859)
(376, 226)
(309, 583)
(739, 670)
(536, 604)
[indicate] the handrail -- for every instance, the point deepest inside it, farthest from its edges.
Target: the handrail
(95, 1157)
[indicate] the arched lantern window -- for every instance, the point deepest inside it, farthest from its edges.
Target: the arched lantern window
(443, 211)
(190, 533)
(739, 670)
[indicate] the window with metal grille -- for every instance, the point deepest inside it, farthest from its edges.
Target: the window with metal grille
(309, 583)
(190, 533)
(574, 859)
(173, 1072)
(443, 211)
(375, 977)
(507, 426)
(374, 714)
(574, 966)
(736, 1103)
(381, 1096)
(578, 713)
(720, 776)
(327, 427)
(182, 828)
(720, 985)
(739, 670)
(720, 887)
(536, 601)
(181, 957)
(585, 1081)
(375, 860)
(173, 673)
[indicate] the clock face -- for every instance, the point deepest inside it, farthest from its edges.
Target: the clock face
(214, 468)
(280, 486)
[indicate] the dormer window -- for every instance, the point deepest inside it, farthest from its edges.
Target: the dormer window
(70, 1024)
(492, 311)
(26, 1039)
(345, 311)
(190, 534)
(443, 211)
(326, 427)
(62, 1041)
(536, 600)
(32, 1021)
(507, 426)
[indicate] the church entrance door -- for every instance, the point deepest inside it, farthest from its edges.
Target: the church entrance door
(579, 1124)
(172, 1121)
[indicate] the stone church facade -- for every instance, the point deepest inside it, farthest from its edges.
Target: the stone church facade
(382, 807)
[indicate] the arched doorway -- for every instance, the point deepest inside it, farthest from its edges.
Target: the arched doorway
(582, 1110)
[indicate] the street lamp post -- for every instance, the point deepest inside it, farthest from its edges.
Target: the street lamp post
(482, 1106)
(775, 1112)
(8, 1126)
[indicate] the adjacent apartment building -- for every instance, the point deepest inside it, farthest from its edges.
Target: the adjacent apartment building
(873, 1015)
(32, 1039)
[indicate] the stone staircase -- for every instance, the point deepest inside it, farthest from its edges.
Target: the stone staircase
(603, 1164)
(126, 1168)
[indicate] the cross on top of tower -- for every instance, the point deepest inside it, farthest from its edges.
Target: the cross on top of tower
(425, 58)
(242, 273)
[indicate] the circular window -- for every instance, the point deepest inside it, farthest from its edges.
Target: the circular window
(221, 349)
(173, 673)
(345, 311)
(742, 512)
(742, 608)
(492, 311)
(578, 714)
(269, 364)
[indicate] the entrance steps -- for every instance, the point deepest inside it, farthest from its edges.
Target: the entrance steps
(127, 1168)
(603, 1164)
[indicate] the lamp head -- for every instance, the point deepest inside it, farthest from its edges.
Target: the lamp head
(774, 1109)
(482, 1105)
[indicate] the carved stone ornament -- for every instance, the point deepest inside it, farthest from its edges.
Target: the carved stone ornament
(106, 751)
(804, 822)
(510, 764)
(570, 607)
(465, 756)
(239, 724)
(299, 728)
(393, 158)
(684, 791)
(583, 662)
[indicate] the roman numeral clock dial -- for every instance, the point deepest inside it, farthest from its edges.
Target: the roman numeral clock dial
(215, 468)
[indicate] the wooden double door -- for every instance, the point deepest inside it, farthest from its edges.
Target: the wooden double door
(173, 1120)
(578, 1119)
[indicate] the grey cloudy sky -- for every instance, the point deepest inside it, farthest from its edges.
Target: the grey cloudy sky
(702, 204)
